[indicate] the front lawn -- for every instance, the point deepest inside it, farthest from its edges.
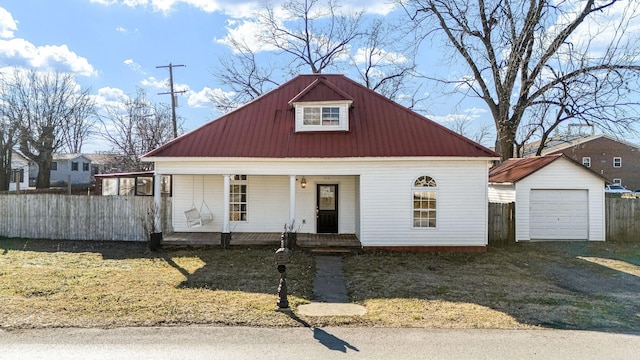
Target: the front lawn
(92, 284)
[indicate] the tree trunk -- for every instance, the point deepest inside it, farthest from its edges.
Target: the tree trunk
(5, 166)
(505, 141)
(44, 173)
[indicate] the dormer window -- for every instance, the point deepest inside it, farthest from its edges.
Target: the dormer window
(321, 116)
(315, 116)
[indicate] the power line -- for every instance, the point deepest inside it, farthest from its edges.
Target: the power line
(173, 96)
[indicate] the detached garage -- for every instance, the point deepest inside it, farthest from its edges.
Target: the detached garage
(556, 198)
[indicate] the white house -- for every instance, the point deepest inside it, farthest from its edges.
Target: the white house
(20, 165)
(73, 167)
(555, 198)
(330, 156)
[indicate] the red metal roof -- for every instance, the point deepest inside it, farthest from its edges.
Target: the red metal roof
(265, 128)
(513, 170)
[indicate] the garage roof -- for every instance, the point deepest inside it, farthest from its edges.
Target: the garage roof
(514, 170)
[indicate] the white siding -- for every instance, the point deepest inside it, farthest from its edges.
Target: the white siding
(502, 193)
(267, 202)
(64, 171)
(17, 163)
(383, 198)
(200, 191)
(561, 174)
(387, 200)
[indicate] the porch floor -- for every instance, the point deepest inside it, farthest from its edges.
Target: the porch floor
(246, 239)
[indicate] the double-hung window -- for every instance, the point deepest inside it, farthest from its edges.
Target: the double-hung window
(617, 162)
(323, 116)
(425, 194)
(238, 198)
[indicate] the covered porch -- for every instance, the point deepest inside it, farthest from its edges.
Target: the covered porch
(304, 240)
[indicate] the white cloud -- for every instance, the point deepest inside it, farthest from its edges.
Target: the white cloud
(121, 29)
(154, 83)
(7, 24)
(247, 33)
(203, 98)
(244, 9)
(21, 52)
(134, 66)
(45, 57)
(110, 97)
(467, 115)
(381, 57)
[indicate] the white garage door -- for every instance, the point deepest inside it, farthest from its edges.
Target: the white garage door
(559, 215)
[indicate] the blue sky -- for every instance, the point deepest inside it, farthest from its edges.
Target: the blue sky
(114, 46)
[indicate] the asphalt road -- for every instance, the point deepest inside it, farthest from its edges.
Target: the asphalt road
(199, 342)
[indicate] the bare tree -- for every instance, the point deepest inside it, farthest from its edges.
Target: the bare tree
(319, 36)
(46, 106)
(462, 127)
(241, 72)
(385, 61)
(527, 60)
(136, 128)
(8, 138)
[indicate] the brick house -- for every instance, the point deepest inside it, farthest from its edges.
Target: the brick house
(616, 160)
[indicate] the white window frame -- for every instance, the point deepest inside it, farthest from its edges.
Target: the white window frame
(617, 162)
(617, 182)
(586, 161)
(424, 184)
(236, 203)
(343, 115)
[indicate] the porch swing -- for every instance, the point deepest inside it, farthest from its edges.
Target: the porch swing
(197, 217)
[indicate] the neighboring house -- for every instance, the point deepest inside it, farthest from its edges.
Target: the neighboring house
(110, 163)
(616, 160)
(20, 165)
(327, 155)
(556, 198)
(130, 184)
(70, 167)
(104, 163)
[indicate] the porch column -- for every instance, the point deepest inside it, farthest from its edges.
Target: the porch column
(225, 236)
(157, 203)
(226, 227)
(156, 237)
(292, 200)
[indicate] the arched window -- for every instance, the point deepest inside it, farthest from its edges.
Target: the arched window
(425, 192)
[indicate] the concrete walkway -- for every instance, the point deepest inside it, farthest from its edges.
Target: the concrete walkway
(330, 296)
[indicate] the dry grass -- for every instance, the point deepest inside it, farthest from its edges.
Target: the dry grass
(88, 284)
(557, 285)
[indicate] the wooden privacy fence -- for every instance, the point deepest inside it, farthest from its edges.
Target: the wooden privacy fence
(78, 217)
(130, 218)
(623, 219)
(502, 224)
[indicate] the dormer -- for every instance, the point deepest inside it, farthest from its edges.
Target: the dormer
(321, 106)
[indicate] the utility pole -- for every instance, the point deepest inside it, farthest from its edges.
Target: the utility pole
(173, 96)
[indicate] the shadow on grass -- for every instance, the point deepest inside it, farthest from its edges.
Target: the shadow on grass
(108, 249)
(575, 285)
(329, 340)
(248, 269)
(243, 269)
